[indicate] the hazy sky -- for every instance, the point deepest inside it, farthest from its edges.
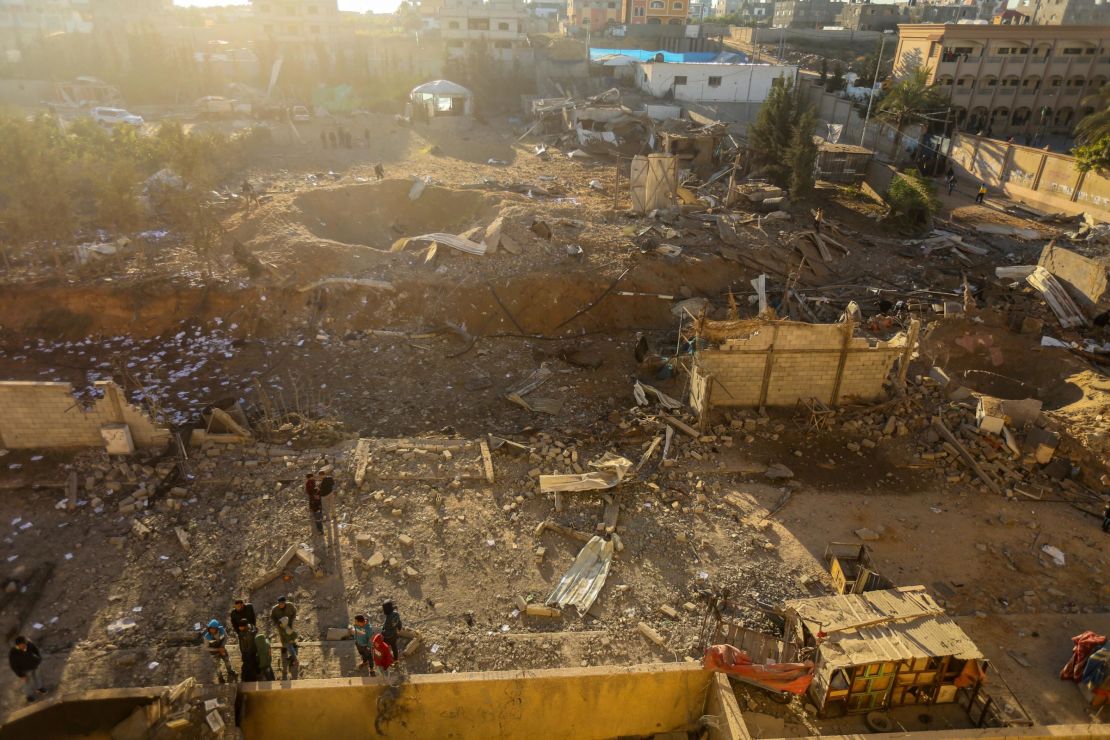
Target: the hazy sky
(360, 6)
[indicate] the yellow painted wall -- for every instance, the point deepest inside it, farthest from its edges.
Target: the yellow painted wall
(586, 704)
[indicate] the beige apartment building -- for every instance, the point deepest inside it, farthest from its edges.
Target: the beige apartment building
(1010, 80)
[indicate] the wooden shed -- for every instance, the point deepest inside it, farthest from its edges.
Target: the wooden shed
(842, 162)
(882, 649)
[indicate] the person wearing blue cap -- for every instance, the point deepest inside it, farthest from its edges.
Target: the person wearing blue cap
(215, 640)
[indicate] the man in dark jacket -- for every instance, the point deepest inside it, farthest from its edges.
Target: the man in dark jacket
(315, 504)
(391, 627)
(241, 613)
(24, 658)
(283, 608)
(248, 651)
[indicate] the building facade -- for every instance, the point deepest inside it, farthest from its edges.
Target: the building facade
(1065, 12)
(1003, 80)
(497, 28)
(750, 10)
(710, 82)
(594, 14)
(805, 13)
(310, 30)
(872, 17)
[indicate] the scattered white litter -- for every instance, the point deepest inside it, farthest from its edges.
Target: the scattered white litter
(69, 556)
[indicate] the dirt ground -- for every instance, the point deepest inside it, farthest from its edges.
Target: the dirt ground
(434, 355)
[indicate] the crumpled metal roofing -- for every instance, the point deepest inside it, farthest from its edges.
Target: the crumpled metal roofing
(583, 582)
(891, 625)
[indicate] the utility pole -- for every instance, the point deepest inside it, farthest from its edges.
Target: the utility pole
(871, 97)
(947, 116)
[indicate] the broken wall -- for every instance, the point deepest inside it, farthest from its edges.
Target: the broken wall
(777, 363)
(1085, 278)
(37, 415)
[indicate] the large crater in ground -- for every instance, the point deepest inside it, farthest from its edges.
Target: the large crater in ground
(377, 214)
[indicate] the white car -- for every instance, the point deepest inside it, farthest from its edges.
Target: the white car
(112, 116)
(300, 114)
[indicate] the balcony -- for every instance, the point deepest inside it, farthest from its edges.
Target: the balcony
(1071, 92)
(1037, 60)
(1027, 92)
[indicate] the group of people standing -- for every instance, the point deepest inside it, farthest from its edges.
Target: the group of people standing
(377, 650)
(254, 644)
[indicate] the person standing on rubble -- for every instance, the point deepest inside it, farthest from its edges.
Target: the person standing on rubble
(818, 216)
(363, 635)
(315, 504)
(383, 654)
(288, 637)
(379, 171)
(215, 640)
(241, 613)
(25, 659)
(248, 193)
(283, 609)
(951, 181)
(391, 627)
(264, 657)
(325, 487)
(982, 192)
(248, 651)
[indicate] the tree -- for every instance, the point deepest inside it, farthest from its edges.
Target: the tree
(824, 70)
(913, 199)
(908, 101)
(1093, 156)
(1092, 133)
(770, 135)
(802, 154)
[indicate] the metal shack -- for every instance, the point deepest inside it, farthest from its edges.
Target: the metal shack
(882, 649)
(842, 162)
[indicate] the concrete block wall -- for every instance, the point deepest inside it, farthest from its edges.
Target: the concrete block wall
(805, 361)
(41, 415)
(808, 375)
(865, 371)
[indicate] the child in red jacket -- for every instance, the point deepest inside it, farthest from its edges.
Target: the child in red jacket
(383, 654)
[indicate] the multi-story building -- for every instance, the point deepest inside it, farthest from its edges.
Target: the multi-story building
(307, 28)
(594, 15)
(22, 23)
(948, 12)
(1065, 12)
(867, 16)
(749, 10)
(1010, 80)
(805, 13)
(1010, 18)
(655, 12)
(495, 28)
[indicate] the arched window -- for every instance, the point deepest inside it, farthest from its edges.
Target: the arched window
(658, 5)
(676, 6)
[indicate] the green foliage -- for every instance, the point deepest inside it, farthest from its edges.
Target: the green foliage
(802, 154)
(913, 199)
(57, 179)
(1095, 126)
(908, 101)
(824, 70)
(770, 135)
(1094, 156)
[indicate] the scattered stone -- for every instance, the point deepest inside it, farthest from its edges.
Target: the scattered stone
(867, 535)
(777, 471)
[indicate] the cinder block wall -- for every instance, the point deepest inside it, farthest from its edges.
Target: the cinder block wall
(39, 415)
(805, 360)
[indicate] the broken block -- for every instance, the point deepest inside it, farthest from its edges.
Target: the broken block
(669, 611)
(405, 540)
(650, 633)
(375, 560)
(540, 610)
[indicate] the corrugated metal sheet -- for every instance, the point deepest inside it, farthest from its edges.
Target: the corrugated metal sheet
(892, 625)
(583, 582)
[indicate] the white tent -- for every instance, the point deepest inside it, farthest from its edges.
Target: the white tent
(442, 98)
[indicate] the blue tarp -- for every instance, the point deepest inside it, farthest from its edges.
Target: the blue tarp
(643, 55)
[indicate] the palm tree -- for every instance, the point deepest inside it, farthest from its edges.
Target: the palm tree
(1095, 125)
(907, 101)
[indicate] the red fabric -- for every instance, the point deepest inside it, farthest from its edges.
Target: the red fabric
(1083, 645)
(794, 678)
(383, 654)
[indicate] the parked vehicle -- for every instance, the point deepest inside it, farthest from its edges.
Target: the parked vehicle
(300, 114)
(113, 116)
(214, 106)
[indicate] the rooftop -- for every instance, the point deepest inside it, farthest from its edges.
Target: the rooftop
(896, 624)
